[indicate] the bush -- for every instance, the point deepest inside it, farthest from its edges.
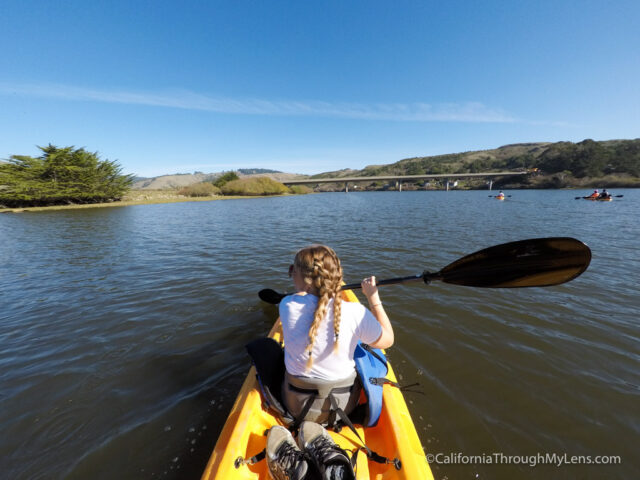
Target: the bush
(254, 186)
(300, 189)
(204, 189)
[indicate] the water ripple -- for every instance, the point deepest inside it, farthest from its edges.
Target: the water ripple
(122, 330)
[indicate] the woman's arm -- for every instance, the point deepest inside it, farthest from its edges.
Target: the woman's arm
(370, 290)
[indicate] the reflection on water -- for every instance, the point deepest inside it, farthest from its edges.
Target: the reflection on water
(122, 329)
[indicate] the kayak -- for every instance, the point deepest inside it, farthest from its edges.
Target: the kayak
(499, 197)
(244, 435)
(608, 199)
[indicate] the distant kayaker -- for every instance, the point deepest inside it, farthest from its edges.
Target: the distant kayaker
(595, 194)
(320, 336)
(501, 194)
(604, 194)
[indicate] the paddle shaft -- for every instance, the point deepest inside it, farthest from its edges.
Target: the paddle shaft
(390, 281)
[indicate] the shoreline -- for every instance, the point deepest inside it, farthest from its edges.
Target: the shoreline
(140, 199)
(153, 197)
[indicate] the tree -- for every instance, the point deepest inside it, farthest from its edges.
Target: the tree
(225, 178)
(60, 176)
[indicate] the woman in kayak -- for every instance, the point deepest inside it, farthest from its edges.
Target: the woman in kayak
(320, 336)
(320, 330)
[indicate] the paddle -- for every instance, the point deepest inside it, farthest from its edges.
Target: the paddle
(612, 196)
(496, 196)
(537, 262)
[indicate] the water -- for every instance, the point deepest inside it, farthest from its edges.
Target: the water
(122, 329)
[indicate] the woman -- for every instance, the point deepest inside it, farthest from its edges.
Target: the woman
(321, 331)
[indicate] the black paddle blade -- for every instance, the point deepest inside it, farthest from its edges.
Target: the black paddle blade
(537, 262)
(271, 296)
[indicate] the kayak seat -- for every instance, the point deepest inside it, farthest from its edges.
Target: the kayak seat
(295, 399)
(310, 398)
(267, 356)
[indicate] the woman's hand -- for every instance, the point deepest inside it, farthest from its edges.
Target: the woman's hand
(369, 287)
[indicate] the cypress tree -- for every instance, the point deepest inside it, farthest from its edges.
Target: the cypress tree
(60, 176)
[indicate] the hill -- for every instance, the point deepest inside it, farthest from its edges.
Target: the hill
(166, 182)
(180, 180)
(556, 165)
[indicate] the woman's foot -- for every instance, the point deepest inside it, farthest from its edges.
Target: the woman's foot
(331, 461)
(284, 458)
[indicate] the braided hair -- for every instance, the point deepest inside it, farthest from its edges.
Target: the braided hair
(322, 273)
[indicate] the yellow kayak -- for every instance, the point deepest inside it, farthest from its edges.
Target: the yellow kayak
(244, 435)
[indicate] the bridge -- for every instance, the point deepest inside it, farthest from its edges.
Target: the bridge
(401, 178)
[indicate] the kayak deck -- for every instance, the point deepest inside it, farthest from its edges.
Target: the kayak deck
(244, 435)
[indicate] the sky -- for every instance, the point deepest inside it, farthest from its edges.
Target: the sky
(307, 86)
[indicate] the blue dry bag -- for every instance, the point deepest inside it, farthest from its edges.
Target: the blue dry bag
(371, 365)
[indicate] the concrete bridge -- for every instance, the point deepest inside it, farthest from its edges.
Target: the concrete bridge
(401, 178)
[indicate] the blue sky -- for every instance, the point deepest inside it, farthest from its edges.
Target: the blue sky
(311, 86)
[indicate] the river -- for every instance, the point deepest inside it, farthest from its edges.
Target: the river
(122, 329)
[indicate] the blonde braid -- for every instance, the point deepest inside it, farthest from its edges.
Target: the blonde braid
(322, 272)
(334, 286)
(337, 310)
(319, 285)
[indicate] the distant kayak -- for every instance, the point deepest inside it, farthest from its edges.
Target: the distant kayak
(607, 198)
(598, 199)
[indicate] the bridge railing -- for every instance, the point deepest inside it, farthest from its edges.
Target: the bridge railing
(399, 177)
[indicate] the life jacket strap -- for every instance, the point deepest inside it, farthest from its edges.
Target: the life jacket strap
(372, 351)
(380, 381)
(409, 389)
(376, 457)
(250, 461)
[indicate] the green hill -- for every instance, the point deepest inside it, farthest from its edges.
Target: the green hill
(556, 165)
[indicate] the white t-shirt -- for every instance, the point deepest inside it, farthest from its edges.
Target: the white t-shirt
(356, 323)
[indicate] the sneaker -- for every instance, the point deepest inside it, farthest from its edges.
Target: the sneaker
(284, 458)
(332, 461)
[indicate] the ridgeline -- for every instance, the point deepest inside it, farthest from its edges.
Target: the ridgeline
(614, 163)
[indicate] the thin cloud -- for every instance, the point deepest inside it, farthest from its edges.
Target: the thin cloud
(473, 112)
